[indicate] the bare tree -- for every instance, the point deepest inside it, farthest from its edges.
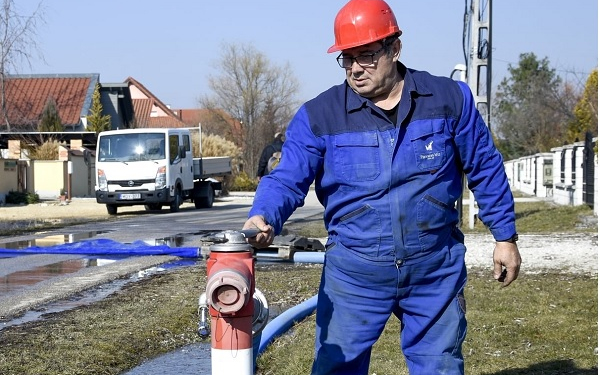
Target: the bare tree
(17, 43)
(260, 95)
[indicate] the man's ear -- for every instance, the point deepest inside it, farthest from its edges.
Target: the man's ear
(397, 48)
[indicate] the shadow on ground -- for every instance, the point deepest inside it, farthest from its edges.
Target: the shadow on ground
(558, 367)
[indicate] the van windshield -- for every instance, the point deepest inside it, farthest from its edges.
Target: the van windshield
(131, 147)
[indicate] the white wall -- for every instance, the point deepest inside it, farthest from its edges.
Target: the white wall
(526, 174)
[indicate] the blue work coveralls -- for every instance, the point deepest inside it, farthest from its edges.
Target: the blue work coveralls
(389, 193)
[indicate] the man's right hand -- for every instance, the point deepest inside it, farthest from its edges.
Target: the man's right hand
(266, 235)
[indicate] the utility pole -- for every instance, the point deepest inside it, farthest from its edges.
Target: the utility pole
(479, 68)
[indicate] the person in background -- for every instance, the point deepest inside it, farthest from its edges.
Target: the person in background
(387, 150)
(265, 164)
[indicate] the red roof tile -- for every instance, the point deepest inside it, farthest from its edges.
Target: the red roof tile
(142, 109)
(165, 122)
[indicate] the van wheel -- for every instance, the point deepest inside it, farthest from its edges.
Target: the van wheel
(207, 201)
(111, 209)
(176, 202)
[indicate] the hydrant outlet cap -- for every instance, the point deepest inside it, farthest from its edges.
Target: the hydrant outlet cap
(228, 291)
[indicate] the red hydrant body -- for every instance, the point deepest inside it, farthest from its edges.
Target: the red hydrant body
(229, 290)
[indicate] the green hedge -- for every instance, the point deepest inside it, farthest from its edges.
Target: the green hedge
(243, 182)
(18, 197)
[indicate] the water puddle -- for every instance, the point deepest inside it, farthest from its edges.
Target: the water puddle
(18, 280)
(43, 267)
(193, 359)
(53, 240)
(173, 241)
(81, 299)
(18, 272)
(92, 295)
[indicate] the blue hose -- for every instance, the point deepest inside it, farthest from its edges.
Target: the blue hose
(288, 318)
(105, 247)
(285, 321)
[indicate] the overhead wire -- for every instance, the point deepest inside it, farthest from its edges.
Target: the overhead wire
(465, 36)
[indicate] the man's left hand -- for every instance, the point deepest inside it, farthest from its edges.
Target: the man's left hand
(507, 262)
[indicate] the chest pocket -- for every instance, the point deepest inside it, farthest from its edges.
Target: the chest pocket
(356, 156)
(429, 144)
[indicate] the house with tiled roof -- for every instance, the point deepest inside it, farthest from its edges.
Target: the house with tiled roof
(27, 95)
(151, 112)
(129, 104)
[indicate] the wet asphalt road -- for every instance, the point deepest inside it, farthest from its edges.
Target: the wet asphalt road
(182, 229)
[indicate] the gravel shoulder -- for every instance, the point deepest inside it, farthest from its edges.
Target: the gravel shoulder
(565, 252)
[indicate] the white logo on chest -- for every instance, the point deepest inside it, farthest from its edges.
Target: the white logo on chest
(429, 146)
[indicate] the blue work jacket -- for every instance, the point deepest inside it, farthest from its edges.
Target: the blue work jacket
(389, 190)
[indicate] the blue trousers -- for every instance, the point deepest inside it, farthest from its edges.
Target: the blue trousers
(358, 296)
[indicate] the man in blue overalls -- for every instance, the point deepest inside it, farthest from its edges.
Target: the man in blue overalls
(387, 150)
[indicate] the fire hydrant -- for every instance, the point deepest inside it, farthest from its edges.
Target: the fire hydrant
(229, 290)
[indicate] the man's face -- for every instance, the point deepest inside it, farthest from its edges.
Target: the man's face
(371, 77)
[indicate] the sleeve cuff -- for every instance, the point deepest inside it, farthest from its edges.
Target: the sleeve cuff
(505, 233)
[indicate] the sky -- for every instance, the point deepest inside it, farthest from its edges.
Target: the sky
(173, 47)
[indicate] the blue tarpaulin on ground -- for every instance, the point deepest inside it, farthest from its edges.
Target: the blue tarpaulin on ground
(103, 246)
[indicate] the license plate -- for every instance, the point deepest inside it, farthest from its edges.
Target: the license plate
(130, 196)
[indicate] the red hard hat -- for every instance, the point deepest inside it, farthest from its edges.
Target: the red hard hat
(362, 22)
